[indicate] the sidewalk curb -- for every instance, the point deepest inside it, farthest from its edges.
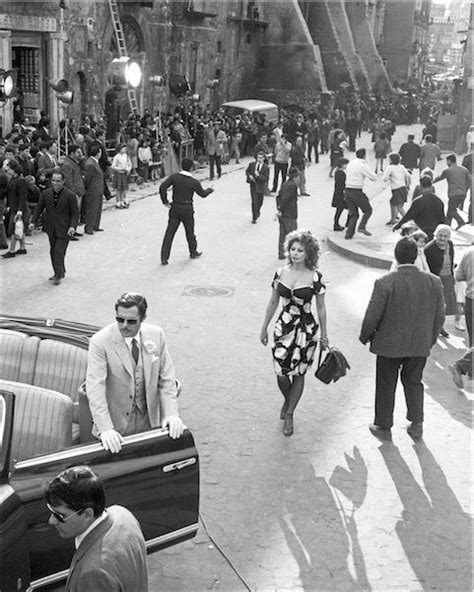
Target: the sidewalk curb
(359, 254)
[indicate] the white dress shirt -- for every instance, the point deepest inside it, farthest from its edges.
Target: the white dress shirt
(356, 173)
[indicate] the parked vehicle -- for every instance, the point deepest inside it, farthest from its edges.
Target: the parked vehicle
(154, 476)
(270, 110)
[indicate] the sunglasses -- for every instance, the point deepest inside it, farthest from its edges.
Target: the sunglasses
(122, 321)
(59, 517)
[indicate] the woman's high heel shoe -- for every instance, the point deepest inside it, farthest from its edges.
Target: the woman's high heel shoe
(288, 424)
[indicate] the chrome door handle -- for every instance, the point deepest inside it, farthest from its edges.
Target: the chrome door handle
(179, 465)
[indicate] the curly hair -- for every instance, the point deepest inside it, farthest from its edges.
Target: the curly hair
(310, 244)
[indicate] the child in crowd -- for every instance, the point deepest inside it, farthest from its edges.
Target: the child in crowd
(421, 239)
(399, 179)
(338, 200)
(121, 167)
(155, 161)
(381, 147)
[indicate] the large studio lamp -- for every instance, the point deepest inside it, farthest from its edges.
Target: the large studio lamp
(61, 88)
(7, 84)
(125, 72)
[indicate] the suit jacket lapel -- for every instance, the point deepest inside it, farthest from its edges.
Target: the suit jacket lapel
(87, 543)
(147, 361)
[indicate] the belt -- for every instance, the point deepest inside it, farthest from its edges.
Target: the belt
(182, 203)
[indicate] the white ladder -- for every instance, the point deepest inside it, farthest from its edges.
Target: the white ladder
(122, 47)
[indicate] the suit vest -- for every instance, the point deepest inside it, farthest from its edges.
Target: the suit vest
(139, 395)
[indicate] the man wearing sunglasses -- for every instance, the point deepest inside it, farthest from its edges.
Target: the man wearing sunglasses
(130, 382)
(110, 548)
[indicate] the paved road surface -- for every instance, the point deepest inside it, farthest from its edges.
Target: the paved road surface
(327, 509)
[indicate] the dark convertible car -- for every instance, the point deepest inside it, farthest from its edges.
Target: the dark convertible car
(45, 428)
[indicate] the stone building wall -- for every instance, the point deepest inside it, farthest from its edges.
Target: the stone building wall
(363, 35)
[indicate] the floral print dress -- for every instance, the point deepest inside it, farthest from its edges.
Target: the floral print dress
(295, 329)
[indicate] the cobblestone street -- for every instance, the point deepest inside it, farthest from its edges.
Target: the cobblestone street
(329, 508)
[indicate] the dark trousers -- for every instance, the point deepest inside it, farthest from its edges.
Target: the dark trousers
(215, 160)
(286, 225)
(386, 383)
(92, 211)
(257, 201)
(281, 168)
(57, 251)
(179, 214)
(355, 199)
(454, 202)
(468, 317)
(464, 364)
(313, 146)
(338, 214)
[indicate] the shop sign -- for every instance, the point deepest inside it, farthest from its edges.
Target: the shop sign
(20, 22)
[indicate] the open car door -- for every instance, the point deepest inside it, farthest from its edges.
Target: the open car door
(14, 559)
(154, 476)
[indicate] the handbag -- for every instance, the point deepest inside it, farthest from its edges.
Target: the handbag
(333, 367)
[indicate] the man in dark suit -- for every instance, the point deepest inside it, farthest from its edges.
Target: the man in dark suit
(402, 322)
(47, 161)
(60, 221)
(91, 211)
(181, 209)
(287, 208)
(257, 176)
(110, 547)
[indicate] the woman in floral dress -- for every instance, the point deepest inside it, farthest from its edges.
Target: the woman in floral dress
(295, 329)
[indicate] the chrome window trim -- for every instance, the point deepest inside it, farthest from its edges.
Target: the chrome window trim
(61, 575)
(71, 453)
(51, 579)
(172, 535)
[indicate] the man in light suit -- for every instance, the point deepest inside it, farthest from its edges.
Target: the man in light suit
(402, 323)
(110, 547)
(257, 176)
(130, 381)
(94, 185)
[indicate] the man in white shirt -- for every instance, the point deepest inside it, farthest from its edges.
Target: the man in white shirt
(356, 173)
(110, 547)
(130, 381)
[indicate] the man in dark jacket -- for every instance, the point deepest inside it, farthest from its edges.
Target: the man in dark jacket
(427, 211)
(402, 322)
(287, 208)
(59, 222)
(181, 209)
(410, 153)
(257, 174)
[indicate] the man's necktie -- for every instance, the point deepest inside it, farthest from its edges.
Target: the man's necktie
(135, 351)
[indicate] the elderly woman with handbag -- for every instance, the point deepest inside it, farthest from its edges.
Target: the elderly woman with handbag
(440, 258)
(296, 328)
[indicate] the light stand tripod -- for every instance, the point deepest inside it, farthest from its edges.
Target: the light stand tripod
(65, 135)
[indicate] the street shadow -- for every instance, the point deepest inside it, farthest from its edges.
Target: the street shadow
(453, 400)
(322, 538)
(434, 530)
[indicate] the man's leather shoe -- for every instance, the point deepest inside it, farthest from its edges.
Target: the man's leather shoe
(8, 255)
(98, 230)
(52, 278)
(73, 238)
(164, 263)
(196, 255)
(338, 228)
(21, 252)
(89, 232)
(56, 281)
(380, 433)
(364, 231)
(415, 430)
